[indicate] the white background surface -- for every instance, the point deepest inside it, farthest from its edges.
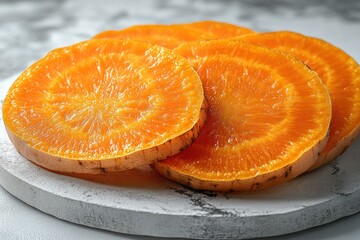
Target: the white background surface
(30, 29)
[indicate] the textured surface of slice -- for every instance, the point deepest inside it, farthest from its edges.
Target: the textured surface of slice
(103, 106)
(169, 36)
(220, 29)
(268, 118)
(341, 76)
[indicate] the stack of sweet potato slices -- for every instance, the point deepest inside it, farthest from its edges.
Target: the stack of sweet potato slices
(210, 105)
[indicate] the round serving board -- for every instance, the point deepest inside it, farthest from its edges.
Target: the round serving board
(141, 202)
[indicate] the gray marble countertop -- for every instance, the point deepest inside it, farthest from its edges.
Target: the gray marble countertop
(29, 29)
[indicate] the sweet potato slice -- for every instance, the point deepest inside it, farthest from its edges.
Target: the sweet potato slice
(268, 118)
(220, 29)
(341, 75)
(169, 36)
(173, 35)
(104, 106)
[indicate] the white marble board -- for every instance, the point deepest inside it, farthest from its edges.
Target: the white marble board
(143, 203)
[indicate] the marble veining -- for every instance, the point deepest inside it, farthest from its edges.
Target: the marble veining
(30, 29)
